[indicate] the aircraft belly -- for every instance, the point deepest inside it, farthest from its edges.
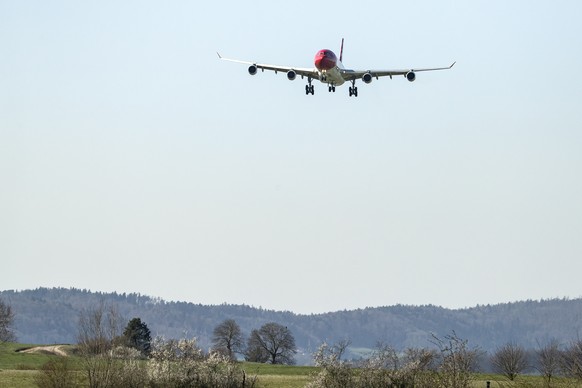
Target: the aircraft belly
(332, 76)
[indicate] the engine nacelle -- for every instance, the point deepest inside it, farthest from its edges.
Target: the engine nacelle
(291, 75)
(411, 76)
(253, 69)
(367, 78)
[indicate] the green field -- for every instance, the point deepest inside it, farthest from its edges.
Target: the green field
(19, 369)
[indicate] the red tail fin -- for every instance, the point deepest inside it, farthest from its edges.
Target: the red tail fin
(342, 50)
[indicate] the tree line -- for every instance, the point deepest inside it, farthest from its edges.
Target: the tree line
(549, 359)
(109, 357)
(48, 315)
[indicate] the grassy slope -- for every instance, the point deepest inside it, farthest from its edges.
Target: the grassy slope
(19, 369)
(11, 360)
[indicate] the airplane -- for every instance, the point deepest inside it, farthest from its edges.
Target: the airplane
(329, 70)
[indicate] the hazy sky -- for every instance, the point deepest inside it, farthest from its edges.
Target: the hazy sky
(133, 160)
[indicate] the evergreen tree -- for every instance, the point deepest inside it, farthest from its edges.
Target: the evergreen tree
(137, 335)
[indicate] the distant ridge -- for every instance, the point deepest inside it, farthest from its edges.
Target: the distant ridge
(50, 315)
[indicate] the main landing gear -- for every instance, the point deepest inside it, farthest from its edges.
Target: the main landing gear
(331, 88)
(309, 89)
(354, 89)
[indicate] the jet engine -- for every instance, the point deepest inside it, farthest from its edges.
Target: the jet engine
(367, 78)
(291, 75)
(411, 76)
(253, 69)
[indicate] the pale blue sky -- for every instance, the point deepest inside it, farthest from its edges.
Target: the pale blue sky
(132, 159)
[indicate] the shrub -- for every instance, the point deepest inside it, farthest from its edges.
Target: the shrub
(56, 374)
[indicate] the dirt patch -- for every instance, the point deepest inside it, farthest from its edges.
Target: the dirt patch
(55, 350)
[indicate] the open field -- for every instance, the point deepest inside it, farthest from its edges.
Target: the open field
(20, 364)
(18, 357)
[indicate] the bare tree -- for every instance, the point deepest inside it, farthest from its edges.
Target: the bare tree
(273, 340)
(6, 323)
(254, 352)
(572, 360)
(510, 360)
(548, 360)
(228, 338)
(98, 329)
(340, 347)
(57, 373)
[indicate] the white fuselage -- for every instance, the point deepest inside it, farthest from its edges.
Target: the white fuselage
(332, 76)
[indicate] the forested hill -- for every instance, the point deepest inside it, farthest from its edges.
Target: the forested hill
(45, 316)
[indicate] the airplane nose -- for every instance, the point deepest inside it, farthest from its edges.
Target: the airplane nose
(324, 61)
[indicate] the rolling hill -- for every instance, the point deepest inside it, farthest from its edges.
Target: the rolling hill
(50, 316)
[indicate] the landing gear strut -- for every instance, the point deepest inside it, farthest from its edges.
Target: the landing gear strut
(309, 89)
(353, 89)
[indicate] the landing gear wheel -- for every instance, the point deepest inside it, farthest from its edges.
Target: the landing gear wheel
(309, 89)
(353, 89)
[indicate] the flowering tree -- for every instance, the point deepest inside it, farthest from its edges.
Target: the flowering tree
(334, 373)
(457, 361)
(181, 363)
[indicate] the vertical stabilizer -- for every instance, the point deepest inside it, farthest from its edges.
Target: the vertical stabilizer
(342, 51)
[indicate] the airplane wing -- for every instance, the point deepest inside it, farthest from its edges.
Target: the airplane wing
(302, 71)
(349, 75)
